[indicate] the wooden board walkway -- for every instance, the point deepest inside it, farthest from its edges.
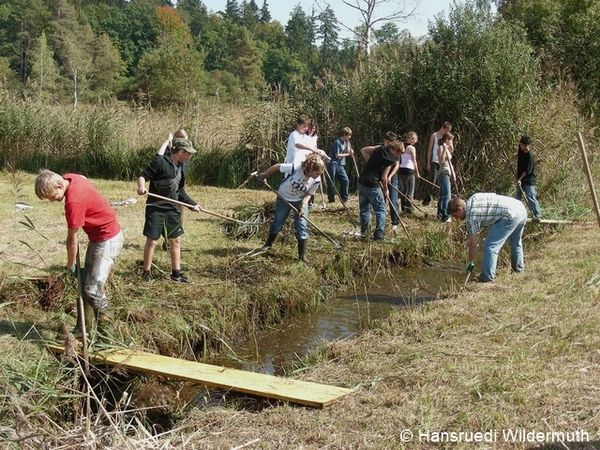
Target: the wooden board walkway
(269, 386)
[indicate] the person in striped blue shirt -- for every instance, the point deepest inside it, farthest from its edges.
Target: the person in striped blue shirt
(505, 217)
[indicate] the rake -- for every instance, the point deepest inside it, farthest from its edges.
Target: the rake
(206, 211)
(334, 242)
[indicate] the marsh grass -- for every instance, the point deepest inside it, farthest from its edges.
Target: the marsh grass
(233, 298)
(110, 141)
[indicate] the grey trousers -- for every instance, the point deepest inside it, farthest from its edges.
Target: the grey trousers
(99, 259)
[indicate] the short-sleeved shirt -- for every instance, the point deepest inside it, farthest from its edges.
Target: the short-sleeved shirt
(336, 148)
(168, 180)
(294, 138)
(526, 163)
(484, 209)
(434, 149)
(379, 160)
(297, 185)
(86, 208)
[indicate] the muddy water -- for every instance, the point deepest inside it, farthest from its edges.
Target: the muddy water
(341, 318)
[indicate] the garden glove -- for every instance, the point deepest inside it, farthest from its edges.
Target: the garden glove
(470, 266)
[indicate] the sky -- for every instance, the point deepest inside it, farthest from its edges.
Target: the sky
(417, 25)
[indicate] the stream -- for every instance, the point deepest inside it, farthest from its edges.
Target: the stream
(342, 317)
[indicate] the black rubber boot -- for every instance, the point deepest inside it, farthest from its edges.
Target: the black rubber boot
(302, 250)
(269, 242)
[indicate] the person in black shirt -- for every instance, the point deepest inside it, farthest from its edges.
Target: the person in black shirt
(167, 178)
(526, 178)
(372, 183)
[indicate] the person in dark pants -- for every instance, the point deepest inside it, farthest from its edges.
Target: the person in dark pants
(167, 178)
(337, 166)
(526, 177)
(373, 182)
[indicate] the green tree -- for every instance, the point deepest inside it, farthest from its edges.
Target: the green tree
(73, 44)
(131, 25)
(327, 32)
(107, 65)
(44, 70)
(250, 14)
(478, 73)
(171, 73)
(265, 15)
(271, 33)
(232, 11)
(388, 34)
(215, 42)
(245, 60)
(22, 21)
(282, 69)
(195, 15)
(300, 33)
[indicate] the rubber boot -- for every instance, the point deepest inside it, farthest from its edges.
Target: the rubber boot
(302, 250)
(269, 242)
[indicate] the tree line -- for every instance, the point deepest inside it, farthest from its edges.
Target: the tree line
(152, 51)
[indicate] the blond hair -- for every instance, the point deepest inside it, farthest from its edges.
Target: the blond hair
(346, 131)
(46, 183)
(180, 134)
(455, 204)
(411, 135)
(313, 162)
(396, 147)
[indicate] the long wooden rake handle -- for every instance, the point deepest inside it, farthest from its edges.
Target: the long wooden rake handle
(429, 182)
(187, 205)
(334, 242)
(406, 197)
(397, 214)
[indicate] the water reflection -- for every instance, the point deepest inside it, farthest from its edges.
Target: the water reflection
(342, 317)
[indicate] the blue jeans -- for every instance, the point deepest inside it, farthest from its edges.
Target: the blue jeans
(394, 201)
(336, 170)
(282, 210)
(368, 197)
(531, 198)
(445, 193)
(406, 184)
(499, 232)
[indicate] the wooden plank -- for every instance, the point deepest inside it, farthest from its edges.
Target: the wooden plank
(551, 221)
(269, 386)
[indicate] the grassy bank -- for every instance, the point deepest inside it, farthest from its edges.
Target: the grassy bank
(521, 353)
(232, 296)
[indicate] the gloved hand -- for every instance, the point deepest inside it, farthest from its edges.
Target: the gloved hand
(73, 270)
(470, 266)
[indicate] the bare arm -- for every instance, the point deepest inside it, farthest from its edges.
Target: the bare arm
(270, 171)
(368, 151)
(141, 186)
(72, 242)
(384, 181)
(413, 155)
(394, 170)
(163, 147)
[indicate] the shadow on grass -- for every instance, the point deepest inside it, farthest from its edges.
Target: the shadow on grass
(20, 330)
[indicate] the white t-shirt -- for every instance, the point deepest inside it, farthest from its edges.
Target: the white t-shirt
(290, 152)
(297, 185)
(434, 149)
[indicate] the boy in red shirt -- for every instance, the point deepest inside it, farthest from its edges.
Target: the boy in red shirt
(85, 208)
